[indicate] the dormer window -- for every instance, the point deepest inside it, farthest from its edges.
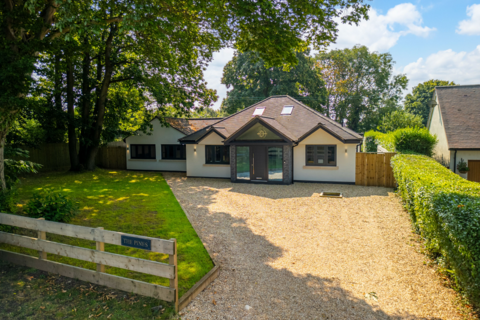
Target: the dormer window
(258, 111)
(287, 110)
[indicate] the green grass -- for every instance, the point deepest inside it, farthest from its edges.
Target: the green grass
(132, 202)
(32, 294)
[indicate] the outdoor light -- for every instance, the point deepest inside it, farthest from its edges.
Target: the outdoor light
(346, 150)
(194, 148)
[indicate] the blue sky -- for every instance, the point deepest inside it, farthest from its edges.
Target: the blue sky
(427, 39)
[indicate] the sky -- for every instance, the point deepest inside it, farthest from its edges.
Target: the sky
(427, 39)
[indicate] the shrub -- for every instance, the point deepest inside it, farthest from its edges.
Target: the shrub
(407, 140)
(445, 210)
(51, 205)
(369, 141)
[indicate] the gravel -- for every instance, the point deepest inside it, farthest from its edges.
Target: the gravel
(287, 253)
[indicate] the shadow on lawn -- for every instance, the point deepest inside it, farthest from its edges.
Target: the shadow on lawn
(244, 258)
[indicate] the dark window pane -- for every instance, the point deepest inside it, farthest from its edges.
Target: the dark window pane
(320, 155)
(173, 152)
(142, 151)
(217, 154)
(310, 158)
(331, 155)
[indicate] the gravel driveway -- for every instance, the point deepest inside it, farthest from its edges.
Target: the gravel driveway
(290, 254)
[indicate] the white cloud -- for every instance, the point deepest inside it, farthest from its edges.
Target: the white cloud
(214, 72)
(471, 26)
(381, 32)
(460, 67)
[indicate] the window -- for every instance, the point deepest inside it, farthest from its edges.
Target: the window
(258, 111)
(287, 110)
(321, 156)
(173, 152)
(142, 151)
(217, 154)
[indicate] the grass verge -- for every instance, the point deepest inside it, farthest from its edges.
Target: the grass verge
(132, 202)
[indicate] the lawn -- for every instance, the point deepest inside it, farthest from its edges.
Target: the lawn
(132, 202)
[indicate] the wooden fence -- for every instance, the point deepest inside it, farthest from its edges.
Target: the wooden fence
(55, 156)
(374, 169)
(99, 256)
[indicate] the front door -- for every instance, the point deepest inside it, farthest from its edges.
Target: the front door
(474, 172)
(258, 161)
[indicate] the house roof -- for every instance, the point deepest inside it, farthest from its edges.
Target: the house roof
(460, 109)
(296, 126)
(189, 126)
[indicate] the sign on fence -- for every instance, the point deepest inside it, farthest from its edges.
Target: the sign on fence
(99, 256)
(374, 169)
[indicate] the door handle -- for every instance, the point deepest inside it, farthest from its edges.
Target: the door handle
(253, 164)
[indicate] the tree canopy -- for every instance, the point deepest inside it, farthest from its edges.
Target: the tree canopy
(251, 81)
(359, 85)
(399, 119)
(418, 102)
(162, 47)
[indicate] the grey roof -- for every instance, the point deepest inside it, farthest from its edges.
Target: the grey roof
(460, 107)
(296, 126)
(189, 126)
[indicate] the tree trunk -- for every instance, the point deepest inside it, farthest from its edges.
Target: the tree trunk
(101, 102)
(85, 130)
(2, 162)
(72, 138)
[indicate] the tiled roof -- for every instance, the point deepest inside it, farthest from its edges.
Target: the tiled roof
(460, 107)
(189, 126)
(295, 126)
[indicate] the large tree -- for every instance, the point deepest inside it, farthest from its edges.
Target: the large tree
(179, 37)
(359, 83)
(418, 102)
(252, 81)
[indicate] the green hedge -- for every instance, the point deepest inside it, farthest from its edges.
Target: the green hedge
(406, 140)
(445, 209)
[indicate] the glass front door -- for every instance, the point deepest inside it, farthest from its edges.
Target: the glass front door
(259, 163)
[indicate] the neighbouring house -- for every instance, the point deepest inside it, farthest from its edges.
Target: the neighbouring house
(278, 140)
(455, 119)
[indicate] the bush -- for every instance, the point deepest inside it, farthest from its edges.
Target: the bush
(445, 210)
(51, 205)
(369, 141)
(407, 140)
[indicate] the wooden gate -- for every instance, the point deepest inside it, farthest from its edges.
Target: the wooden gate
(99, 256)
(474, 173)
(374, 169)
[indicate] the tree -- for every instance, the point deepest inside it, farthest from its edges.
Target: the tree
(178, 37)
(252, 81)
(400, 119)
(418, 102)
(359, 83)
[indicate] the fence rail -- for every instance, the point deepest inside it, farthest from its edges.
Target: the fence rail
(55, 156)
(374, 169)
(98, 256)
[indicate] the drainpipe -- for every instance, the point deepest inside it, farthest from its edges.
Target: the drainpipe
(293, 157)
(455, 162)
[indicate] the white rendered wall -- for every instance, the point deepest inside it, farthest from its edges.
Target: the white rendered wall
(160, 135)
(466, 155)
(343, 172)
(436, 127)
(196, 166)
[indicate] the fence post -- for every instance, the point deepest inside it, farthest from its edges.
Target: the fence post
(172, 259)
(100, 247)
(42, 235)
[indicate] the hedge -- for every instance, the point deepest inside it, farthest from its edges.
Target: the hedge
(445, 210)
(406, 140)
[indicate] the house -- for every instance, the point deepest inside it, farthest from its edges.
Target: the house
(455, 119)
(278, 140)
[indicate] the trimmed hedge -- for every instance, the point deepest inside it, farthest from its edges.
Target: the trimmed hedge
(445, 210)
(406, 140)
